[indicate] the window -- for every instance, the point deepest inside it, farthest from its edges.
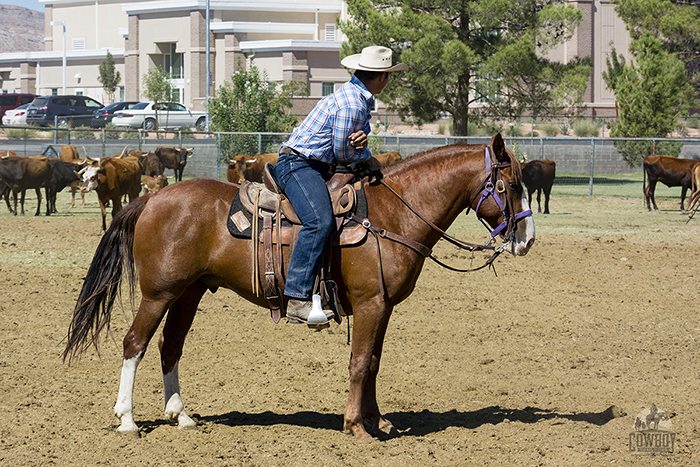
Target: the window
(173, 63)
(54, 91)
(78, 43)
(330, 31)
(327, 88)
(121, 93)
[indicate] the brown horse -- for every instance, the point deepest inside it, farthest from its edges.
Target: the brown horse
(176, 242)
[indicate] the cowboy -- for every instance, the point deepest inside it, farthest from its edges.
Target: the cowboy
(335, 132)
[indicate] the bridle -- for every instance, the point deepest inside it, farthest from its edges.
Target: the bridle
(493, 185)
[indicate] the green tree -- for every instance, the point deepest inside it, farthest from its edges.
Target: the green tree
(109, 77)
(157, 88)
(650, 93)
(249, 103)
(675, 23)
(460, 53)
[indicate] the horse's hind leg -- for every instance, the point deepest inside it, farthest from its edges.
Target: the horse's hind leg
(171, 341)
(136, 341)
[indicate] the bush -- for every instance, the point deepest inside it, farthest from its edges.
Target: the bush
(491, 128)
(20, 133)
(514, 129)
(549, 129)
(82, 134)
(112, 134)
(693, 121)
(586, 128)
(132, 134)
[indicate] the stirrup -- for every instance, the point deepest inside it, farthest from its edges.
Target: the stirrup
(317, 318)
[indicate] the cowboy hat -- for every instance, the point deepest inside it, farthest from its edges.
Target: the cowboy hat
(374, 58)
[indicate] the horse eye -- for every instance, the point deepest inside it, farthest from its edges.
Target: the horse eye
(513, 186)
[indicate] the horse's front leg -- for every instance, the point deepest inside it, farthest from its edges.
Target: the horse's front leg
(368, 331)
(171, 341)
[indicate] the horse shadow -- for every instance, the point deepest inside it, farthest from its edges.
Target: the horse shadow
(407, 423)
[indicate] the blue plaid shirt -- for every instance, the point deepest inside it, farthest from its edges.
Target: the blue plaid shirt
(323, 135)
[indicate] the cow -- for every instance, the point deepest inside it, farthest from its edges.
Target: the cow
(152, 166)
(249, 168)
(538, 175)
(21, 173)
(388, 158)
(112, 179)
(63, 174)
(671, 171)
(153, 184)
(173, 158)
(69, 153)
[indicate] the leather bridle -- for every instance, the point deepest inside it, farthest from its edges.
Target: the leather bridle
(495, 187)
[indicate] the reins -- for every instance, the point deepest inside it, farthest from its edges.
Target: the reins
(487, 188)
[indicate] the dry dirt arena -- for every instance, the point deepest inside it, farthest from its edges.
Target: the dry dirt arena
(546, 364)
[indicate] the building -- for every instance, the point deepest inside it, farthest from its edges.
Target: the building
(289, 40)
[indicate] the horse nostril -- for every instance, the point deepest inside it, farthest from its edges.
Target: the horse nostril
(530, 243)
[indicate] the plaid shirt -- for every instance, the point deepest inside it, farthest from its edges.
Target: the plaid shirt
(323, 135)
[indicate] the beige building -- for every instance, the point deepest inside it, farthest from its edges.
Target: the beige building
(287, 39)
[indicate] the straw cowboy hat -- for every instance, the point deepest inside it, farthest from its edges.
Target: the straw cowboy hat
(374, 58)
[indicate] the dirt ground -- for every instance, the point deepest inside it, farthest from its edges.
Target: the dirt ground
(516, 369)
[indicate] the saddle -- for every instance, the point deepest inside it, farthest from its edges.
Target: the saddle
(256, 202)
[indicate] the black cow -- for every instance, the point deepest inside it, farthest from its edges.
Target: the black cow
(63, 175)
(539, 175)
(22, 173)
(173, 158)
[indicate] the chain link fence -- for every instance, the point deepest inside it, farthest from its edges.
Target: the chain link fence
(583, 162)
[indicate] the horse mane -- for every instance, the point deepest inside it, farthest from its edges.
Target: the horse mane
(446, 151)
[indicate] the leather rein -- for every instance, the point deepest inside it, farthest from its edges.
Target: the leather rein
(493, 185)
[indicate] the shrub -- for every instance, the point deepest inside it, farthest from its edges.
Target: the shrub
(112, 134)
(82, 134)
(586, 128)
(20, 133)
(693, 121)
(549, 129)
(491, 128)
(514, 129)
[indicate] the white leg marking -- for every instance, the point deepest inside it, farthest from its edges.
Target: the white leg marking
(124, 408)
(174, 408)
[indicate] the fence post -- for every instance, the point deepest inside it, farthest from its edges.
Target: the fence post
(260, 143)
(218, 156)
(104, 143)
(590, 183)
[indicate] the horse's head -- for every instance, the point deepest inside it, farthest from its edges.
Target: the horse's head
(501, 200)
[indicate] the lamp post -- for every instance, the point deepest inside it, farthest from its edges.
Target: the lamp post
(62, 23)
(208, 79)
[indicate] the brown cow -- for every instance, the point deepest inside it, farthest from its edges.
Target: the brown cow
(538, 175)
(21, 173)
(388, 158)
(173, 158)
(112, 179)
(671, 171)
(249, 168)
(153, 184)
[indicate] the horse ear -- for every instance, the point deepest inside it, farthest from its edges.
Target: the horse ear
(499, 148)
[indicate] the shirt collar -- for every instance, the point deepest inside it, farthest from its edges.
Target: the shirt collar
(362, 88)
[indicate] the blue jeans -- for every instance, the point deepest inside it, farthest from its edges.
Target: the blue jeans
(304, 183)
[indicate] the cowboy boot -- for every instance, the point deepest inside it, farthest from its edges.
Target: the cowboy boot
(298, 311)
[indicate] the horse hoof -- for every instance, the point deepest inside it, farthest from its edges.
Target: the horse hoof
(388, 429)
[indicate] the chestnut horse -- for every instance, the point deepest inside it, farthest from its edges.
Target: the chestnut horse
(176, 242)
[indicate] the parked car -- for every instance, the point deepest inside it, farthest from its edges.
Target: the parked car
(17, 116)
(71, 110)
(104, 115)
(170, 115)
(12, 101)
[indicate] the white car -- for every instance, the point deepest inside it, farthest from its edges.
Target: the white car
(16, 116)
(170, 115)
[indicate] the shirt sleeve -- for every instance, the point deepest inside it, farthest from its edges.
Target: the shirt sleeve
(348, 120)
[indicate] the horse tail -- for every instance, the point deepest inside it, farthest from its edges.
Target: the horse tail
(114, 256)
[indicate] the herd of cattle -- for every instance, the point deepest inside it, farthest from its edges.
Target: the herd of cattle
(126, 175)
